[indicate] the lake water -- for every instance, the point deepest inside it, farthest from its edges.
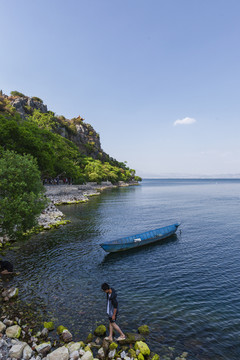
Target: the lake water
(185, 288)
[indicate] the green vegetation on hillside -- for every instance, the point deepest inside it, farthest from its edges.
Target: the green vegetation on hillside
(55, 155)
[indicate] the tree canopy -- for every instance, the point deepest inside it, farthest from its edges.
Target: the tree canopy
(21, 193)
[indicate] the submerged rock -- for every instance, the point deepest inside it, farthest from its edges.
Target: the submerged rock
(144, 329)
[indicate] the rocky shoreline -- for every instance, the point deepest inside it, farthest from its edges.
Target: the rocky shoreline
(67, 195)
(52, 217)
(18, 341)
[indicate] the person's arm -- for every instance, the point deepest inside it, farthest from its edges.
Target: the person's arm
(114, 313)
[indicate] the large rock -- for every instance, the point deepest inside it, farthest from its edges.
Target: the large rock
(66, 336)
(44, 348)
(75, 346)
(101, 353)
(87, 356)
(10, 293)
(27, 352)
(13, 331)
(59, 354)
(16, 350)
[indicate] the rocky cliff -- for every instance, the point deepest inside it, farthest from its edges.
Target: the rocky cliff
(75, 130)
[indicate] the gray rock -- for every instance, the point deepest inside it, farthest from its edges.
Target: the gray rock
(101, 353)
(2, 327)
(87, 356)
(111, 354)
(13, 331)
(66, 336)
(16, 351)
(59, 354)
(27, 352)
(43, 348)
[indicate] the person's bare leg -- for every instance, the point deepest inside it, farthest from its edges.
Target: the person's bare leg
(110, 337)
(117, 328)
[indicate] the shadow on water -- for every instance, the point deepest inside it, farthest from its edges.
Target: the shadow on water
(113, 257)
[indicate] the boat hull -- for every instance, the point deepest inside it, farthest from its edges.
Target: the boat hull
(138, 240)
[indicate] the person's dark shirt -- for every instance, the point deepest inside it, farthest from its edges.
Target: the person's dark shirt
(6, 265)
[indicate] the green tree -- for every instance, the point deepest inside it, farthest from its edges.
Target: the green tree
(21, 193)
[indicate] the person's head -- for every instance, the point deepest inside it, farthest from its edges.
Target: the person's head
(105, 287)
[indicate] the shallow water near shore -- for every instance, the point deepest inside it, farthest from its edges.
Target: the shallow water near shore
(186, 288)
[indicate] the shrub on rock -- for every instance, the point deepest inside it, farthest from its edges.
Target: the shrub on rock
(113, 346)
(100, 330)
(142, 346)
(60, 329)
(49, 325)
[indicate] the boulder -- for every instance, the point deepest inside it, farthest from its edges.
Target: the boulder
(16, 350)
(100, 330)
(66, 336)
(111, 354)
(2, 327)
(101, 353)
(43, 348)
(27, 352)
(74, 355)
(59, 354)
(10, 293)
(142, 346)
(75, 346)
(87, 356)
(13, 331)
(144, 329)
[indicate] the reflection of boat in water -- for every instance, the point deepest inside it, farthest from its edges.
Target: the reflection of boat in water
(138, 240)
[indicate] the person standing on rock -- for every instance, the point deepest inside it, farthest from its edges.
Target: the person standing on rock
(112, 311)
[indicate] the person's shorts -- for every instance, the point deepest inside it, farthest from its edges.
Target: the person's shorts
(111, 320)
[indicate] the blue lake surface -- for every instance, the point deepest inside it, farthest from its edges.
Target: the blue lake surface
(185, 288)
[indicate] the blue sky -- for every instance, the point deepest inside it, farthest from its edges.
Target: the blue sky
(132, 68)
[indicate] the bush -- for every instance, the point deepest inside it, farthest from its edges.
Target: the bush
(21, 193)
(17, 93)
(35, 98)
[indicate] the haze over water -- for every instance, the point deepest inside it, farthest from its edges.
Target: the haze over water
(185, 288)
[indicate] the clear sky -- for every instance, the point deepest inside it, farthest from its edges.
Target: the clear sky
(158, 79)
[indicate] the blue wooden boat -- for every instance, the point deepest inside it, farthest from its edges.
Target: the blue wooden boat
(137, 240)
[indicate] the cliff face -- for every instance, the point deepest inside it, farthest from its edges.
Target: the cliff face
(75, 130)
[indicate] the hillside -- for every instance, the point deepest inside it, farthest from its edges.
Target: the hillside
(63, 147)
